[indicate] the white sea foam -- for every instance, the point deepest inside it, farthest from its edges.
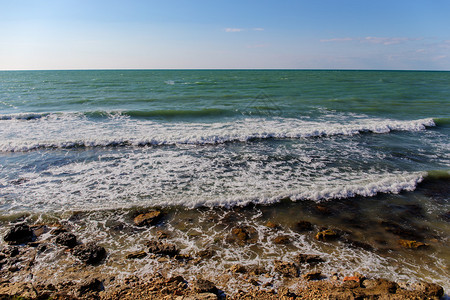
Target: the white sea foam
(76, 130)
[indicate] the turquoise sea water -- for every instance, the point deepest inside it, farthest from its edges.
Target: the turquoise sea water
(100, 140)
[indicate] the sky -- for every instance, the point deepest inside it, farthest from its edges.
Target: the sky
(217, 34)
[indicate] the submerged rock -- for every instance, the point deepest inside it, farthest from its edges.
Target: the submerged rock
(412, 244)
(89, 253)
(302, 226)
(136, 255)
(204, 286)
(287, 269)
(158, 247)
(400, 231)
(308, 259)
(326, 235)
(19, 234)
(90, 286)
(238, 269)
(206, 253)
(282, 240)
(147, 219)
(243, 235)
(271, 224)
(66, 239)
(313, 276)
(39, 229)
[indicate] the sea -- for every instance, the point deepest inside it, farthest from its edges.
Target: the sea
(365, 153)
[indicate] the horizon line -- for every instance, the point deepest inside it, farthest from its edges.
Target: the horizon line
(227, 69)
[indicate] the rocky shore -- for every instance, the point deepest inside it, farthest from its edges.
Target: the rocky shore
(85, 276)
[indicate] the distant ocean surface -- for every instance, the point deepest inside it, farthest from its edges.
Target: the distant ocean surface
(99, 140)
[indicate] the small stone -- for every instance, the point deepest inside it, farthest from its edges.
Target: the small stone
(204, 296)
(19, 234)
(352, 278)
(243, 235)
(58, 230)
(303, 226)
(322, 209)
(308, 259)
(136, 255)
(66, 239)
(286, 269)
(271, 224)
(238, 269)
(206, 253)
(161, 235)
(240, 233)
(253, 281)
(204, 286)
(39, 229)
(282, 240)
(89, 253)
(326, 235)
(90, 286)
(147, 219)
(412, 244)
(158, 247)
(313, 276)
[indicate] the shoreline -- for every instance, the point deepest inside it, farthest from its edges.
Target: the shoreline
(82, 270)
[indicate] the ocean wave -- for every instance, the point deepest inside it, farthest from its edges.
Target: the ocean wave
(65, 131)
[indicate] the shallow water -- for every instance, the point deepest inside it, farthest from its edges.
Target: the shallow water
(362, 152)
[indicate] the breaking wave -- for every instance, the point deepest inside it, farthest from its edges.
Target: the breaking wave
(66, 130)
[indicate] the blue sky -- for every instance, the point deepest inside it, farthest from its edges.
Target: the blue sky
(332, 34)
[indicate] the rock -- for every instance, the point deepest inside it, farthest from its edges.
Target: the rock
(19, 234)
(66, 239)
(383, 286)
(272, 225)
(39, 229)
(400, 231)
(446, 216)
(89, 286)
(357, 244)
(147, 219)
(412, 244)
(308, 259)
(350, 284)
(326, 235)
(303, 226)
(58, 230)
(243, 235)
(238, 269)
(89, 253)
(286, 269)
(240, 234)
(282, 240)
(161, 235)
(10, 251)
(313, 276)
(158, 247)
(137, 254)
(17, 290)
(352, 278)
(285, 293)
(429, 289)
(204, 296)
(204, 286)
(206, 253)
(322, 209)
